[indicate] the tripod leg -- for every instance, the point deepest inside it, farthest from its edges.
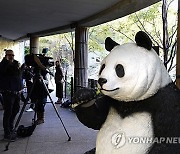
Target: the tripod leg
(34, 118)
(69, 138)
(20, 115)
(16, 124)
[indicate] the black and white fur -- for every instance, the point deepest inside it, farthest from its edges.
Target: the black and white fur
(139, 99)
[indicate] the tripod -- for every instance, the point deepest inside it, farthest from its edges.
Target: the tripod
(38, 78)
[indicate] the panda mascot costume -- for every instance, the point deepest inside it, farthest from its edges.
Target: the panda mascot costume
(138, 110)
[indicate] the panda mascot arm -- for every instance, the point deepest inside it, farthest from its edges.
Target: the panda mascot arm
(91, 108)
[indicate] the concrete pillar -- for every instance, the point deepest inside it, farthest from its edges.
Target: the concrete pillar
(178, 50)
(34, 44)
(81, 58)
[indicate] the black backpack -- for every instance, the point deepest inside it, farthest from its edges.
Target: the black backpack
(25, 131)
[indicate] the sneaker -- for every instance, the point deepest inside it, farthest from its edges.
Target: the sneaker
(29, 110)
(11, 137)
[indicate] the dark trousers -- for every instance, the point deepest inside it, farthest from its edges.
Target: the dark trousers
(11, 108)
(59, 90)
(40, 104)
(39, 96)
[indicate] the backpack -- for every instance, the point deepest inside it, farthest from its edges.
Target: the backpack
(23, 131)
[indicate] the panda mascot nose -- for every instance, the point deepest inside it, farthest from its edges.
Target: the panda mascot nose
(102, 81)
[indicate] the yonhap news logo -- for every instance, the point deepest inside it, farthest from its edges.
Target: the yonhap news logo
(119, 139)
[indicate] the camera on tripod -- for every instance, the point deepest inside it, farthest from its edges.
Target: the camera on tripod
(38, 74)
(46, 61)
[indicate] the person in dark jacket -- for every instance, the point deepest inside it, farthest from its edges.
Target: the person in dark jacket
(59, 83)
(10, 87)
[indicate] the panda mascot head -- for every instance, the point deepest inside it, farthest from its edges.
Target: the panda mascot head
(132, 71)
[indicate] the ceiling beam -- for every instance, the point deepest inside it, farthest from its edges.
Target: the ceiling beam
(118, 10)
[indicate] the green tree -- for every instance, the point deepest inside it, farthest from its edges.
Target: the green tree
(26, 50)
(154, 20)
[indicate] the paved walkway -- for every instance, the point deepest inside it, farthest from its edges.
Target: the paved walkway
(50, 137)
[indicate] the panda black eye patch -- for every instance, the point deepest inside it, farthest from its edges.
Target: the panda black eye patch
(120, 70)
(103, 66)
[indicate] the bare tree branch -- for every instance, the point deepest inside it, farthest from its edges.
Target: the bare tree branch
(172, 35)
(120, 32)
(70, 43)
(91, 32)
(146, 30)
(172, 51)
(158, 35)
(72, 40)
(169, 4)
(165, 32)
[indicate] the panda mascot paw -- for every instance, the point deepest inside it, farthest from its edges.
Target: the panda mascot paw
(139, 109)
(86, 102)
(83, 97)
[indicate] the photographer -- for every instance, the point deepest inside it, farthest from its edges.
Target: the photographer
(39, 94)
(10, 87)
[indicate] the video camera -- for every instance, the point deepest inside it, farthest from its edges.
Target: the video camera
(46, 61)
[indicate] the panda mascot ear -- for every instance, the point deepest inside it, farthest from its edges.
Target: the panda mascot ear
(143, 40)
(110, 44)
(156, 48)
